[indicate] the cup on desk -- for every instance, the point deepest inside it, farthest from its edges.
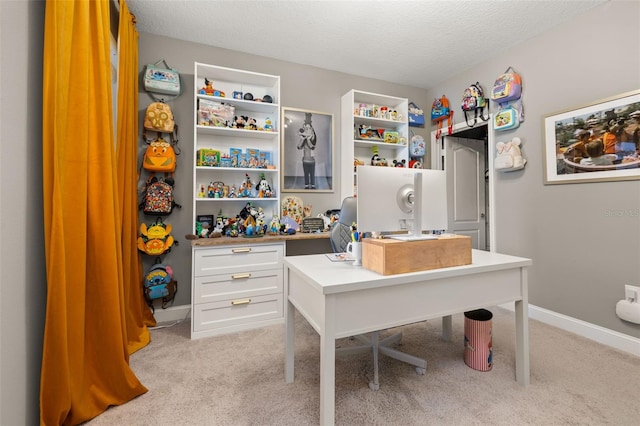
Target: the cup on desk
(354, 251)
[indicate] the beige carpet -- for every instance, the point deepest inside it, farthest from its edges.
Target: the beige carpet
(238, 379)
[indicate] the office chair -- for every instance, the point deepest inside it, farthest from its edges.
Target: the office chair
(340, 236)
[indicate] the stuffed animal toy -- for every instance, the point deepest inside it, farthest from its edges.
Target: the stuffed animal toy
(509, 156)
(415, 164)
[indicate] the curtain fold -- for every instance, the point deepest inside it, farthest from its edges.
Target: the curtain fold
(85, 353)
(137, 313)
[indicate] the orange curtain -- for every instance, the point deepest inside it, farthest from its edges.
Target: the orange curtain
(85, 360)
(138, 315)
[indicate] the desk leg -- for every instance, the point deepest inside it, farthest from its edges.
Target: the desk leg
(522, 332)
(289, 343)
(447, 328)
(328, 366)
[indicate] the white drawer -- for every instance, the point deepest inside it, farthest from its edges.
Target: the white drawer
(237, 312)
(234, 259)
(237, 285)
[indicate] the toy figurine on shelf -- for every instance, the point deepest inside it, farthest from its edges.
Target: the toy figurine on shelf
(202, 193)
(208, 88)
(240, 121)
(260, 222)
(274, 227)
(211, 190)
(245, 187)
(397, 163)
(232, 192)
(376, 160)
(264, 189)
(268, 126)
(251, 124)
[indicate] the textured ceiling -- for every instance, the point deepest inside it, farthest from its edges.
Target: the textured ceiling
(417, 43)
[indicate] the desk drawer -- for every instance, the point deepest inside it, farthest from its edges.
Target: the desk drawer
(237, 285)
(237, 312)
(234, 259)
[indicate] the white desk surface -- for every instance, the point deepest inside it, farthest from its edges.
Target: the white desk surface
(330, 277)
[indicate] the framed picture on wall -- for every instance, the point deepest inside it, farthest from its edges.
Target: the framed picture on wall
(307, 151)
(594, 143)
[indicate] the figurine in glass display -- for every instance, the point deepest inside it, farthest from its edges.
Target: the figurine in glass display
(307, 144)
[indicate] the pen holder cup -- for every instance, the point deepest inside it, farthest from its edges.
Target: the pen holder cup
(354, 250)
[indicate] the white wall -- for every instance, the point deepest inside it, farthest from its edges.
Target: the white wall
(582, 256)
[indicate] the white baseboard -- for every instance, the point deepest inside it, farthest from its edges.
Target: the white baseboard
(172, 314)
(594, 332)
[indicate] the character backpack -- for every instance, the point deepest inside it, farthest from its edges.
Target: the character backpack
(156, 238)
(160, 156)
(158, 283)
(441, 111)
(507, 92)
(158, 197)
(473, 100)
(507, 87)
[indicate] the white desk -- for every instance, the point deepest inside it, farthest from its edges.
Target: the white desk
(341, 300)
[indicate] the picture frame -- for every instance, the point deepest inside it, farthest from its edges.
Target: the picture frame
(571, 147)
(307, 151)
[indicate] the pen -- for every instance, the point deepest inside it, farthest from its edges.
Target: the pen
(356, 235)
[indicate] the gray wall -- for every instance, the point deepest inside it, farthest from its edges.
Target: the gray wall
(301, 86)
(582, 257)
(23, 287)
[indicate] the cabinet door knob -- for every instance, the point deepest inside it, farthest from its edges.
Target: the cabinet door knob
(240, 302)
(241, 250)
(241, 276)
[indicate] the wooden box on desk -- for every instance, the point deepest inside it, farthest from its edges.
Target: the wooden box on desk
(388, 256)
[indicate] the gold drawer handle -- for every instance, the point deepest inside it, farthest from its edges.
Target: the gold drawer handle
(241, 276)
(240, 302)
(241, 250)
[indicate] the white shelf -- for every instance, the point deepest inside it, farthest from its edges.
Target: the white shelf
(236, 133)
(353, 148)
(222, 139)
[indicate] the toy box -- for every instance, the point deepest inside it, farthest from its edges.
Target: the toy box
(212, 113)
(235, 154)
(225, 160)
(208, 157)
(265, 160)
(391, 137)
(253, 157)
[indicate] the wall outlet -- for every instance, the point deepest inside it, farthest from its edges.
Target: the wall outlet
(631, 293)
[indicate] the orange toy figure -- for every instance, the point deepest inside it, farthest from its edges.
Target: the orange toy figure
(208, 88)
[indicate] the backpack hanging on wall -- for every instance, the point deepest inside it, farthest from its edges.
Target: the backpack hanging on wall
(157, 199)
(160, 156)
(159, 117)
(155, 239)
(441, 111)
(162, 80)
(158, 283)
(507, 87)
(473, 100)
(507, 93)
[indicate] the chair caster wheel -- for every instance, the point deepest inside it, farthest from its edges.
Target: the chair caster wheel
(421, 371)
(374, 386)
